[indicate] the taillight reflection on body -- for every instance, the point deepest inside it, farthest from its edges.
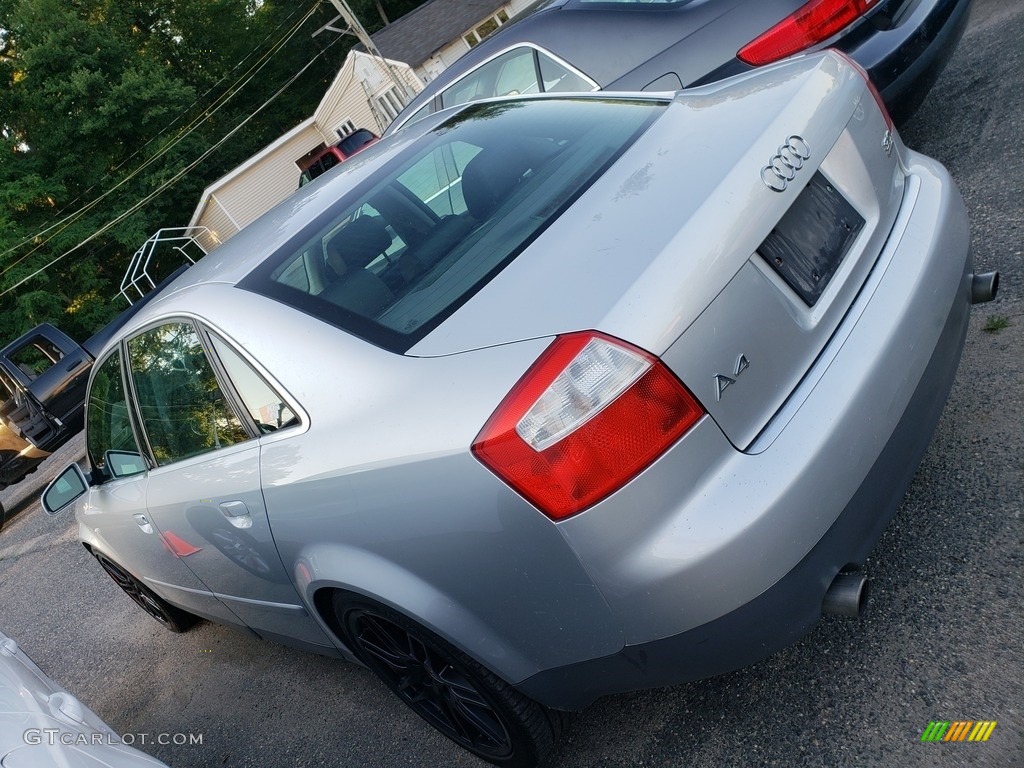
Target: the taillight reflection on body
(872, 89)
(588, 416)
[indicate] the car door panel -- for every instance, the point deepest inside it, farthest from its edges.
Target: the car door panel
(204, 496)
(215, 504)
(111, 515)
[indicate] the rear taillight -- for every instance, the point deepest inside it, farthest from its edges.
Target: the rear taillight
(587, 417)
(810, 24)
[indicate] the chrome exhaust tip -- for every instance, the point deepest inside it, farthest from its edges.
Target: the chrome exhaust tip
(984, 287)
(846, 595)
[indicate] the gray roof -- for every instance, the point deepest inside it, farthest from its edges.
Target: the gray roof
(421, 32)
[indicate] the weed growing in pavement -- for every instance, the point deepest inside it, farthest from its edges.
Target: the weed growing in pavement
(996, 323)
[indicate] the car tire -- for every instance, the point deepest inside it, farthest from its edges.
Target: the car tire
(456, 695)
(174, 619)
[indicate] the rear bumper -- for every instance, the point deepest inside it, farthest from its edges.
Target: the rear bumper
(906, 60)
(912, 316)
(903, 60)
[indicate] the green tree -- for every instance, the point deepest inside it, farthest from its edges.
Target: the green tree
(116, 98)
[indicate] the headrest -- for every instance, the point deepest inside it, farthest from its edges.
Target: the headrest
(359, 242)
(492, 176)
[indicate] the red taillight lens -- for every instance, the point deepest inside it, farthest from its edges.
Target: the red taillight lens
(810, 24)
(587, 417)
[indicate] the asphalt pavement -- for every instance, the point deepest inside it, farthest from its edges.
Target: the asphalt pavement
(941, 639)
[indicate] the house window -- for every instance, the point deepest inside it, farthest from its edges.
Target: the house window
(482, 30)
(345, 129)
(390, 103)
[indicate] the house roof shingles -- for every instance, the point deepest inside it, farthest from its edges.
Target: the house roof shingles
(418, 34)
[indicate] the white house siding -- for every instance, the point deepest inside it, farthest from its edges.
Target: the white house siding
(255, 187)
(362, 80)
(269, 176)
(358, 96)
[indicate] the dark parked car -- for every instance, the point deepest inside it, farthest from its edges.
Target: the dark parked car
(659, 45)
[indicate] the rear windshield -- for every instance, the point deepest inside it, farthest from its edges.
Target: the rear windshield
(399, 254)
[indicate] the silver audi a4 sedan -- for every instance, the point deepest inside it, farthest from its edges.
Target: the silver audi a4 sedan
(544, 398)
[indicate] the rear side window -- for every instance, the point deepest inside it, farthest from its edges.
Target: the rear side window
(355, 141)
(518, 71)
(558, 78)
(401, 252)
(510, 74)
(266, 408)
(36, 357)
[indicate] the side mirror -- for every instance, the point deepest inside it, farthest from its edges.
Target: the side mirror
(123, 463)
(65, 488)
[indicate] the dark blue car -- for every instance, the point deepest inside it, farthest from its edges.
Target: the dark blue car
(660, 45)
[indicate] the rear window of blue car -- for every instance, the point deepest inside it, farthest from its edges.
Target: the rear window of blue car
(397, 255)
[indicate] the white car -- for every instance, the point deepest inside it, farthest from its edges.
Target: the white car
(42, 725)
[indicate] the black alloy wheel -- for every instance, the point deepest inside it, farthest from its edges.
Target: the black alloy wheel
(456, 695)
(174, 619)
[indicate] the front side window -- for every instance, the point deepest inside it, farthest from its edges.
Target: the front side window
(184, 412)
(7, 388)
(108, 426)
(403, 250)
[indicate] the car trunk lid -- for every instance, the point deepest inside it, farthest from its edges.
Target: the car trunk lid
(673, 248)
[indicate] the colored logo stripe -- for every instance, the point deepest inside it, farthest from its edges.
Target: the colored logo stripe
(982, 730)
(958, 730)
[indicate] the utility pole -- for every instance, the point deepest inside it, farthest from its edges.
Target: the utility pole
(356, 28)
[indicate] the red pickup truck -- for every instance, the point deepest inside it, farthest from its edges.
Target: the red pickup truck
(331, 156)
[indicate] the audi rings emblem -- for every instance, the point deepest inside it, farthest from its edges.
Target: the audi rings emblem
(783, 167)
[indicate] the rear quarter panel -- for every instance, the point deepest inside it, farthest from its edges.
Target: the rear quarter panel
(381, 496)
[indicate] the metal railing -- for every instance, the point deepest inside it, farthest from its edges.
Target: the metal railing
(138, 278)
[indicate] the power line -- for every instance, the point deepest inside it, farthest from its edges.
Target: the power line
(236, 87)
(173, 180)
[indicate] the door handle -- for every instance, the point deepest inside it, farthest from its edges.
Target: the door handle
(237, 513)
(76, 364)
(143, 522)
